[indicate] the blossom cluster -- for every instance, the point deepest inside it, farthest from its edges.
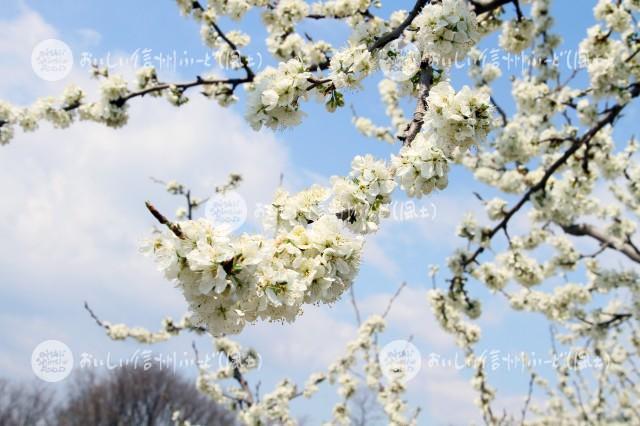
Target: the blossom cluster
(110, 109)
(169, 329)
(452, 123)
(349, 66)
(59, 112)
(364, 195)
(288, 211)
(560, 305)
(421, 167)
(457, 120)
(517, 35)
(274, 101)
(450, 318)
(370, 130)
(447, 30)
(229, 282)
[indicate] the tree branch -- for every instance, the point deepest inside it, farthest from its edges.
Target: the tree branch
(583, 229)
(611, 115)
(199, 81)
(393, 299)
(94, 316)
(501, 112)
(237, 375)
(480, 8)
(175, 228)
(243, 59)
(396, 33)
(355, 305)
(415, 125)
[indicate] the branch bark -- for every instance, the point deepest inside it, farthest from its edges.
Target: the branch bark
(175, 228)
(415, 125)
(480, 8)
(397, 32)
(584, 229)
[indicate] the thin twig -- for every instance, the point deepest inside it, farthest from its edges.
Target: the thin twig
(528, 400)
(393, 298)
(95, 317)
(175, 228)
(355, 305)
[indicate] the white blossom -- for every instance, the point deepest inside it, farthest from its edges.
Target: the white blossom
(517, 35)
(421, 167)
(457, 120)
(349, 66)
(365, 194)
(274, 101)
(447, 30)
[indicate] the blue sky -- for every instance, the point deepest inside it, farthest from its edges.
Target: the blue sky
(72, 213)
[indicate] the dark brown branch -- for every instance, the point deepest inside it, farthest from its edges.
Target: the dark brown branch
(519, 14)
(415, 125)
(232, 45)
(480, 8)
(243, 59)
(189, 205)
(615, 320)
(95, 317)
(630, 57)
(199, 81)
(175, 228)
(397, 32)
(583, 229)
(316, 16)
(237, 375)
(609, 118)
(315, 83)
(633, 246)
(503, 115)
(596, 253)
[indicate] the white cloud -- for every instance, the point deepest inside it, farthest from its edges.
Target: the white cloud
(374, 254)
(73, 202)
(316, 339)
(17, 38)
